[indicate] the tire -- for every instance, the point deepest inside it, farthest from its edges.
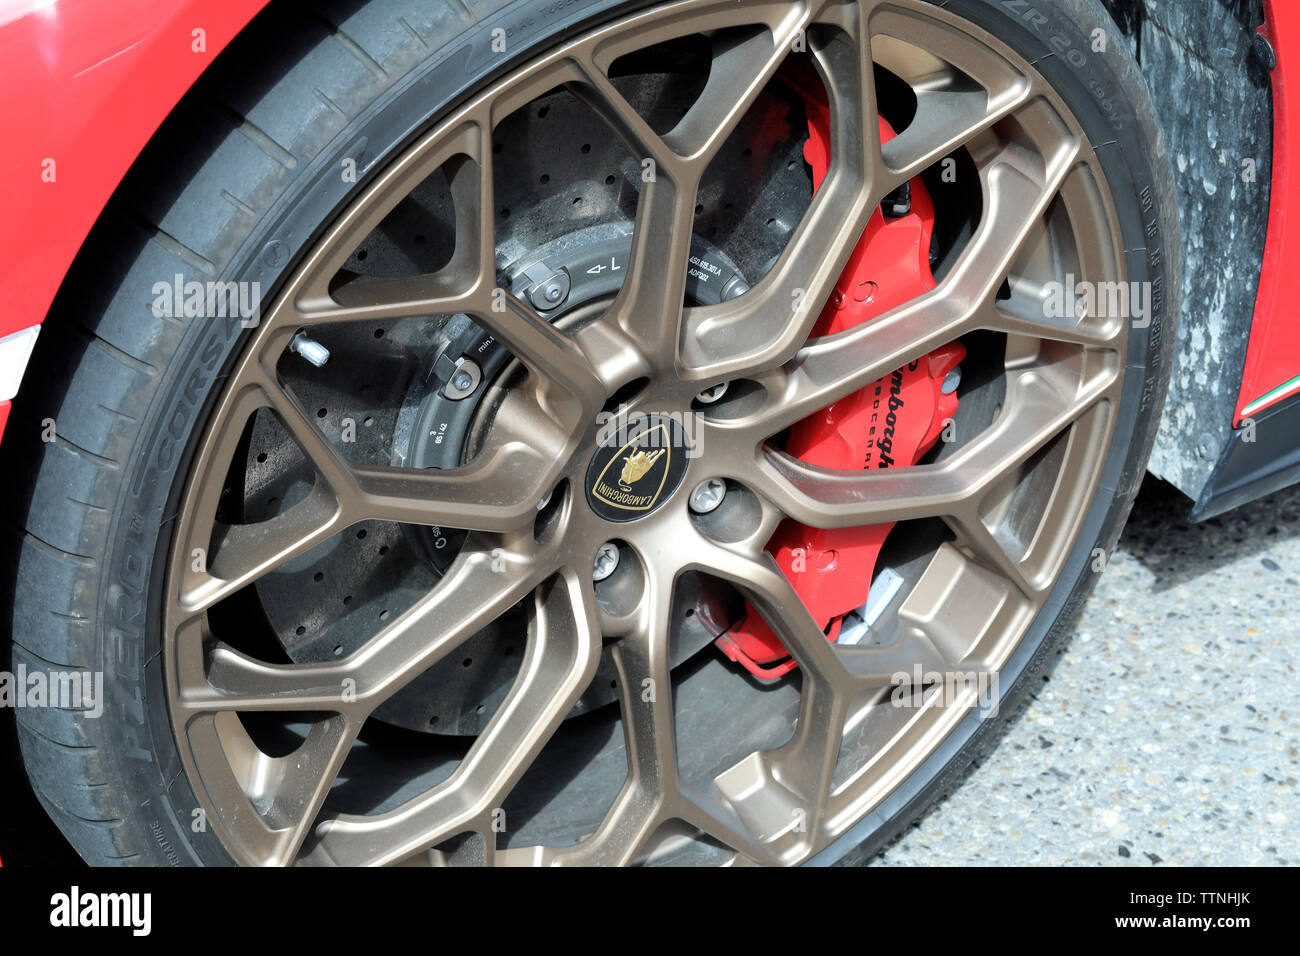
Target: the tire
(236, 186)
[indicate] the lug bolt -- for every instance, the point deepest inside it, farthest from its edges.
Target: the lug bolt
(712, 394)
(708, 495)
(309, 349)
(606, 561)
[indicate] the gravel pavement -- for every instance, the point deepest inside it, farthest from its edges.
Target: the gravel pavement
(1168, 731)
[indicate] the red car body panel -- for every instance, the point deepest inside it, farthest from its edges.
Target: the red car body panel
(87, 83)
(1272, 369)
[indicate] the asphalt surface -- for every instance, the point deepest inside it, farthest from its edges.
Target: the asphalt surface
(1166, 734)
(1168, 731)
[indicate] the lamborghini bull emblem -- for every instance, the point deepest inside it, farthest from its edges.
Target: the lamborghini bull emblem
(636, 465)
(637, 469)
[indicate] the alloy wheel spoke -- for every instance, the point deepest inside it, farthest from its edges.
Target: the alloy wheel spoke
(645, 696)
(1028, 313)
(325, 293)
(650, 304)
(466, 284)
(798, 774)
(1038, 409)
(479, 588)
(563, 651)
(951, 111)
(766, 326)
(497, 491)
(761, 581)
(831, 367)
(287, 792)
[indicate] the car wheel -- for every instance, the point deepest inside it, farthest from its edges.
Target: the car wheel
(626, 433)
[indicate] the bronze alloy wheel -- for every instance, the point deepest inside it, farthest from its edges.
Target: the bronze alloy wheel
(459, 526)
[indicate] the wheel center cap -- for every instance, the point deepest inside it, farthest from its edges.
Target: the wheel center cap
(637, 467)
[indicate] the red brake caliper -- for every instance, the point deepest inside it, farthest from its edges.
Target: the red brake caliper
(891, 422)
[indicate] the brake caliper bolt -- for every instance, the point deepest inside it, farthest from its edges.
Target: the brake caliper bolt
(708, 495)
(464, 380)
(899, 202)
(311, 350)
(712, 394)
(551, 286)
(734, 289)
(606, 561)
(951, 381)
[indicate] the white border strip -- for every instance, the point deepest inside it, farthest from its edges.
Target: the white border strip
(15, 352)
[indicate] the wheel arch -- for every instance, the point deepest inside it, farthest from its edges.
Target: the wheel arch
(1204, 62)
(108, 75)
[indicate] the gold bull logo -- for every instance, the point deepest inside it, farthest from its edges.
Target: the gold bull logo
(633, 478)
(635, 466)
